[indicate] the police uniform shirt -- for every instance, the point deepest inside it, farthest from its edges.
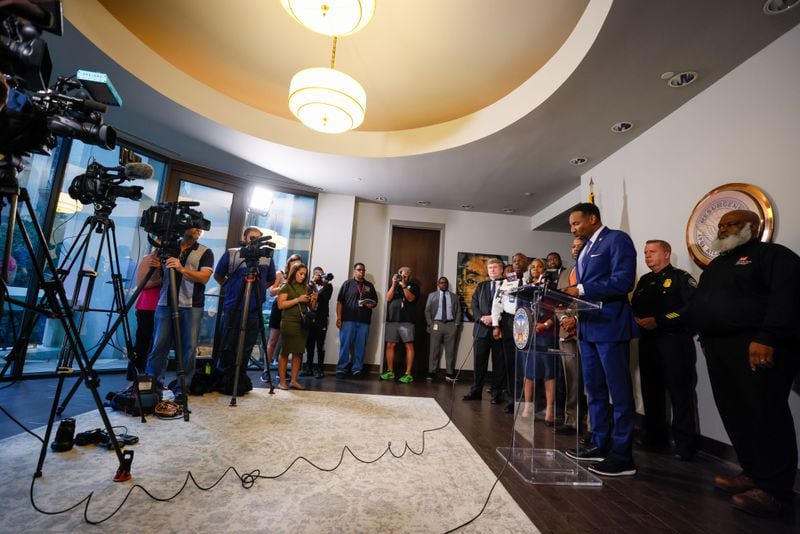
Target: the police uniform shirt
(665, 295)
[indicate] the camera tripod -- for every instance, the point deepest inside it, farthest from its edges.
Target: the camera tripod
(99, 223)
(251, 277)
(54, 305)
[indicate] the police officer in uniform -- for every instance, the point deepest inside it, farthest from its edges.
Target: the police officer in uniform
(667, 355)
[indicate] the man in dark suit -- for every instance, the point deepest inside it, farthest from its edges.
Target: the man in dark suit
(443, 315)
(606, 270)
(483, 341)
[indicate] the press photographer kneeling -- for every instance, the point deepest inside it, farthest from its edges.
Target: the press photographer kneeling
(230, 273)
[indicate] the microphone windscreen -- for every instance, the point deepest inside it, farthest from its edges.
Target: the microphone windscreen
(138, 171)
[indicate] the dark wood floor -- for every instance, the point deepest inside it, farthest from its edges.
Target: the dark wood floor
(667, 495)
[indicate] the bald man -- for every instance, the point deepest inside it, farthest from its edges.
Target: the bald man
(747, 311)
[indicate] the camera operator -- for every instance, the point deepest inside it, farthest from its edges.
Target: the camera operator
(193, 268)
(230, 271)
(321, 287)
(401, 313)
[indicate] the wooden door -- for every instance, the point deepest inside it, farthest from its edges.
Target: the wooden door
(417, 248)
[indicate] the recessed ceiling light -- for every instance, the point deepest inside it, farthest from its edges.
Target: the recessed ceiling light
(682, 79)
(776, 7)
(509, 210)
(528, 194)
(578, 161)
(667, 75)
(423, 203)
(381, 199)
(621, 127)
(467, 206)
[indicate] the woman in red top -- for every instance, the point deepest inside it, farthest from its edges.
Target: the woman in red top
(145, 314)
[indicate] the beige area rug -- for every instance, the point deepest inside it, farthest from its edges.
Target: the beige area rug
(432, 492)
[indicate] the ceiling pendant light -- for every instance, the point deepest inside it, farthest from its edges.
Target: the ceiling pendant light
(326, 99)
(331, 17)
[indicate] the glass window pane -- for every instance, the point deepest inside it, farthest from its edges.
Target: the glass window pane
(289, 219)
(37, 177)
(79, 250)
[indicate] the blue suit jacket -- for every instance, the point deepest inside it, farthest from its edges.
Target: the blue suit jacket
(608, 275)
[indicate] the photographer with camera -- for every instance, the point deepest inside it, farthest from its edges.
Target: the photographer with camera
(401, 313)
(192, 267)
(321, 286)
(230, 273)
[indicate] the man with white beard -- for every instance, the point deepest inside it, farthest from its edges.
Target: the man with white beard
(747, 311)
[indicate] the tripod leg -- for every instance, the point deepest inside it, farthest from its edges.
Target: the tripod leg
(264, 340)
(248, 285)
(176, 327)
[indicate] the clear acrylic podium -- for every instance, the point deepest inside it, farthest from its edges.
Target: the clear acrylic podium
(532, 453)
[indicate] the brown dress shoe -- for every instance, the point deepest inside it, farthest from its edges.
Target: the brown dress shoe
(757, 502)
(735, 484)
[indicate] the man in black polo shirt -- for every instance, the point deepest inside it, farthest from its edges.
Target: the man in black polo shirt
(192, 268)
(357, 297)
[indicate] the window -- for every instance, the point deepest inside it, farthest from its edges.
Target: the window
(79, 250)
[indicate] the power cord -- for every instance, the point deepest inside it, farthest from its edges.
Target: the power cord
(249, 479)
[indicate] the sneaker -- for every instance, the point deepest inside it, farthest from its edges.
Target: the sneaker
(274, 365)
(451, 377)
(319, 374)
(305, 371)
(430, 377)
(613, 468)
(591, 454)
(406, 378)
(387, 375)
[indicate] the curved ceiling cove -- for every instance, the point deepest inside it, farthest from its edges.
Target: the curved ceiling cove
(435, 74)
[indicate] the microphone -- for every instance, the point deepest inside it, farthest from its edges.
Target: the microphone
(138, 171)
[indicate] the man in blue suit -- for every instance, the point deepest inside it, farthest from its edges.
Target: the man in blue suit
(606, 270)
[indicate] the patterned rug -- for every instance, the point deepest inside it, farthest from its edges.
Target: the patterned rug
(435, 491)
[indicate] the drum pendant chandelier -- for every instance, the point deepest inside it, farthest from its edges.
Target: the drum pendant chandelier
(325, 99)
(331, 17)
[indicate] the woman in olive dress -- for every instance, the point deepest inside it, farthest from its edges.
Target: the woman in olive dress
(293, 301)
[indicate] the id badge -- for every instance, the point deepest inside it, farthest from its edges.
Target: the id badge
(435, 326)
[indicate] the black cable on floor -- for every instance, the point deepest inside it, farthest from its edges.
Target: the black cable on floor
(248, 480)
(23, 427)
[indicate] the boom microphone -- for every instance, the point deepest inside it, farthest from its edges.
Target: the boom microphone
(138, 171)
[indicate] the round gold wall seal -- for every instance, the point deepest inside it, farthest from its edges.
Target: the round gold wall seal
(701, 229)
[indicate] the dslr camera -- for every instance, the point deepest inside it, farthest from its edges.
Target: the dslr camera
(398, 277)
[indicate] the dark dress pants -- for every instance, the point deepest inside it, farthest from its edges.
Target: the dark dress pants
(754, 407)
(667, 364)
(606, 375)
(482, 348)
(145, 324)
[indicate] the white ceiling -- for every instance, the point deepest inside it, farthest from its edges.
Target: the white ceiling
(469, 102)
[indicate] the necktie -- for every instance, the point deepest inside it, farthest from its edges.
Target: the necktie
(585, 257)
(491, 293)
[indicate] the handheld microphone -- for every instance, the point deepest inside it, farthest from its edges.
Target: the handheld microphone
(138, 171)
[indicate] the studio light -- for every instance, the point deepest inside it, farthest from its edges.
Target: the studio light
(261, 200)
(331, 17)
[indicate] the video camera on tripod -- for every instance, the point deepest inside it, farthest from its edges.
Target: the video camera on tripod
(255, 249)
(165, 224)
(101, 185)
(34, 116)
